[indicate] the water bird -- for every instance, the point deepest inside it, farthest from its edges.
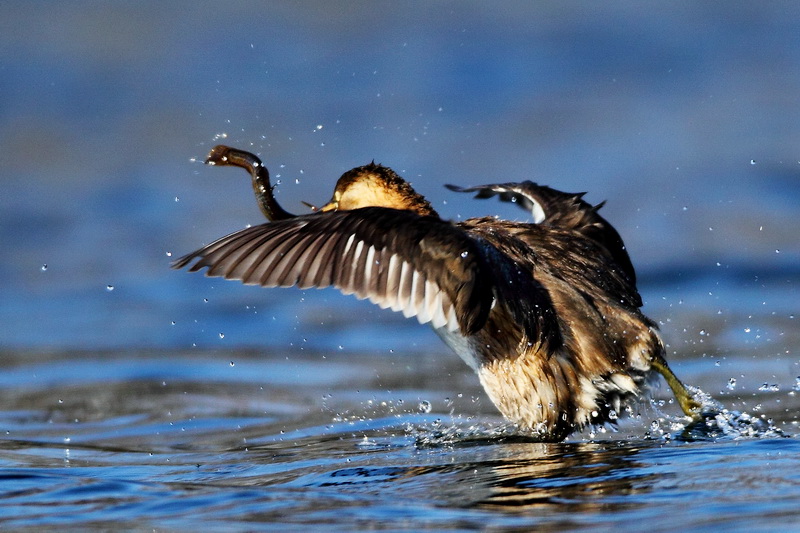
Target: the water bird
(546, 312)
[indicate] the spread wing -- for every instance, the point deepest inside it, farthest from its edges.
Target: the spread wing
(518, 193)
(422, 266)
(562, 210)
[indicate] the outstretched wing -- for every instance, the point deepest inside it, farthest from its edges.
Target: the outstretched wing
(517, 193)
(562, 210)
(422, 266)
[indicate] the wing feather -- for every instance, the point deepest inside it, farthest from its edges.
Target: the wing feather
(396, 259)
(561, 210)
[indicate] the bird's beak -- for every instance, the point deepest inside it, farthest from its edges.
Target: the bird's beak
(310, 206)
(330, 206)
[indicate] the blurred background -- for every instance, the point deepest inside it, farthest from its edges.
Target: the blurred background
(684, 117)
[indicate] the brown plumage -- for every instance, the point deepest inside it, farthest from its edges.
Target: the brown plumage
(547, 313)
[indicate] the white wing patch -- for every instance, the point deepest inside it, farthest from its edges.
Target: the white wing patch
(517, 193)
(396, 285)
(537, 212)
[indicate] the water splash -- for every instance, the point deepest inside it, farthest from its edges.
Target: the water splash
(719, 422)
(460, 431)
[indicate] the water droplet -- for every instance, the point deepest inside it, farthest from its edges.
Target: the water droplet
(177, 199)
(221, 335)
(796, 384)
(464, 254)
(233, 364)
(752, 161)
(424, 406)
(731, 383)
(109, 288)
(44, 267)
(169, 254)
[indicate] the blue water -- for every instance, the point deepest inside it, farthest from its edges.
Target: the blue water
(135, 396)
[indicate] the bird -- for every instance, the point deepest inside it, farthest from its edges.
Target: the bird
(546, 311)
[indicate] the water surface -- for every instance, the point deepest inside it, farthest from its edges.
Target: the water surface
(172, 440)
